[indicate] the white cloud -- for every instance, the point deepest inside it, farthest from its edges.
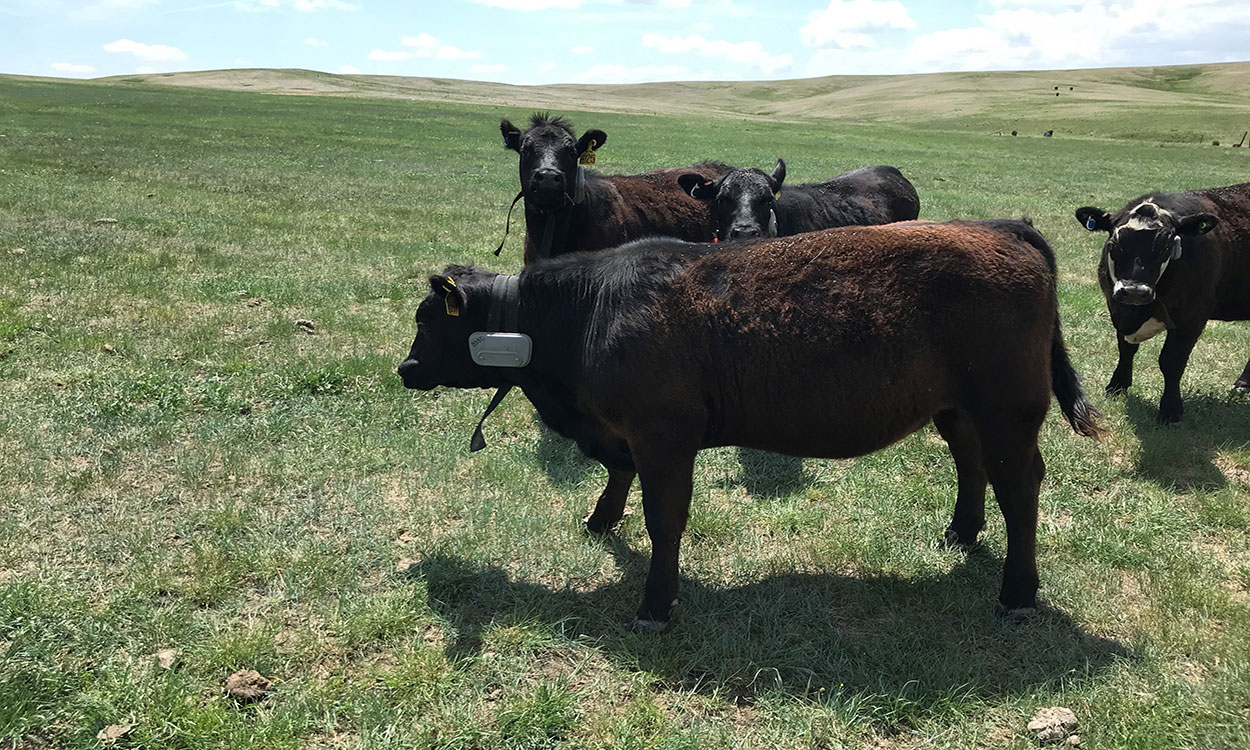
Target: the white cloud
(349, 70)
(751, 54)
(424, 46)
(582, 49)
(488, 68)
(846, 23)
(145, 51)
(72, 68)
(313, 41)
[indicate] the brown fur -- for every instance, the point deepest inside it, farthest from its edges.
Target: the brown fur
(830, 344)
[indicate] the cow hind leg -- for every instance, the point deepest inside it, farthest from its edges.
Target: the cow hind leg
(960, 434)
(666, 471)
(1243, 382)
(610, 507)
(1015, 470)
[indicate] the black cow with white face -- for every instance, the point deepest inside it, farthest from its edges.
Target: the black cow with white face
(749, 203)
(1171, 262)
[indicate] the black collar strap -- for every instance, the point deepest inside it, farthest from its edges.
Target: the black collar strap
(505, 302)
(579, 195)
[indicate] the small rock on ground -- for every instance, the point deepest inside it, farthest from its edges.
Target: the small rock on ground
(113, 732)
(1053, 724)
(307, 326)
(247, 685)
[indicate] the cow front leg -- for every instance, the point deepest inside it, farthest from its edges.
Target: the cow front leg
(1172, 361)
(667, 476)
(1243, 382)
(610, 507)
(1122, 378)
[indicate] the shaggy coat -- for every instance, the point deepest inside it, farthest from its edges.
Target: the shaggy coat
(830, 344)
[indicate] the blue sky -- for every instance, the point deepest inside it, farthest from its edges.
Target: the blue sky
(613, 41)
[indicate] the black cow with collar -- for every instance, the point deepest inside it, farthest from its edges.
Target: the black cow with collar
(570, 208)
(829, 344)
(750, 203)
(1171, 262)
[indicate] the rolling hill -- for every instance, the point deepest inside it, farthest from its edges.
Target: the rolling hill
(1194, 103)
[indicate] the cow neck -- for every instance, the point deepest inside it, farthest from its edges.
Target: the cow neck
(554, 232)
(505, 304)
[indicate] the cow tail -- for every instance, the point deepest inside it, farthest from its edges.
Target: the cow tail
(1076, 408)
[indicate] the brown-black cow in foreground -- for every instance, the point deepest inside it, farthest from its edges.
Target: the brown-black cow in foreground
(1173, 261)
(570, 208)
(748, 203)
(829, 344)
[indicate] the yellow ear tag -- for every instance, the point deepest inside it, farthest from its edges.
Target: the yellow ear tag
(588, 156)
(453, 307)
(777, 195)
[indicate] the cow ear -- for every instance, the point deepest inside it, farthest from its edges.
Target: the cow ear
(591, 140)
(453, 296)
(511, 136)
(1199, 223)
(697, 186)
(1094, 219)
(779, 175)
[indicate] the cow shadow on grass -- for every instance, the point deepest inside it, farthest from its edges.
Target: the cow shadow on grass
(1183, 456)
(879, 636)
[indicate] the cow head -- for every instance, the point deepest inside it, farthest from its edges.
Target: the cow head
(1142, 241)
(743, 201)
(549, 159)
(456, 307)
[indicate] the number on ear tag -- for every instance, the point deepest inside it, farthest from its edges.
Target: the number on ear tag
(588, 156)
(1091, 224)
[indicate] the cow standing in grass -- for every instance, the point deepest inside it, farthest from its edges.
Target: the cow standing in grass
(749, 203)
(570, 208)
(829, 344)
(1171, 262)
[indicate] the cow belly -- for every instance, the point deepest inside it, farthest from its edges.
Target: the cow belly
(1151, 328)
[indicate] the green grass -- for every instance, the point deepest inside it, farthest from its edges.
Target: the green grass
(185, 468)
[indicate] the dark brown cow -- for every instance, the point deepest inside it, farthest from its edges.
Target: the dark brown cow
(570, 208)
(830, 344)
(1173, 261)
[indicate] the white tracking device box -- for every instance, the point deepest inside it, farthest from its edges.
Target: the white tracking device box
(500, 349)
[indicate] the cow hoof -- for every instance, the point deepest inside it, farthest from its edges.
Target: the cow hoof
(598, 527)
(1115, 388)
(1168, 419)
(647, 626)
(1015, 614)
(1242, 385)
(954, 540)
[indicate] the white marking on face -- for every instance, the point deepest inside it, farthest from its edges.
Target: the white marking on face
(1148, 330)
(1111, 273)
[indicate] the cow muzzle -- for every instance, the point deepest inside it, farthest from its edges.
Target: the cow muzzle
(1132, 293)
(409, 372)
(744, 232)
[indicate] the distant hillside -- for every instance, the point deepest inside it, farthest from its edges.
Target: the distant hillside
(1194, 103)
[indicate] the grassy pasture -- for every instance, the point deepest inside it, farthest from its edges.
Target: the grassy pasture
(184, 468)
